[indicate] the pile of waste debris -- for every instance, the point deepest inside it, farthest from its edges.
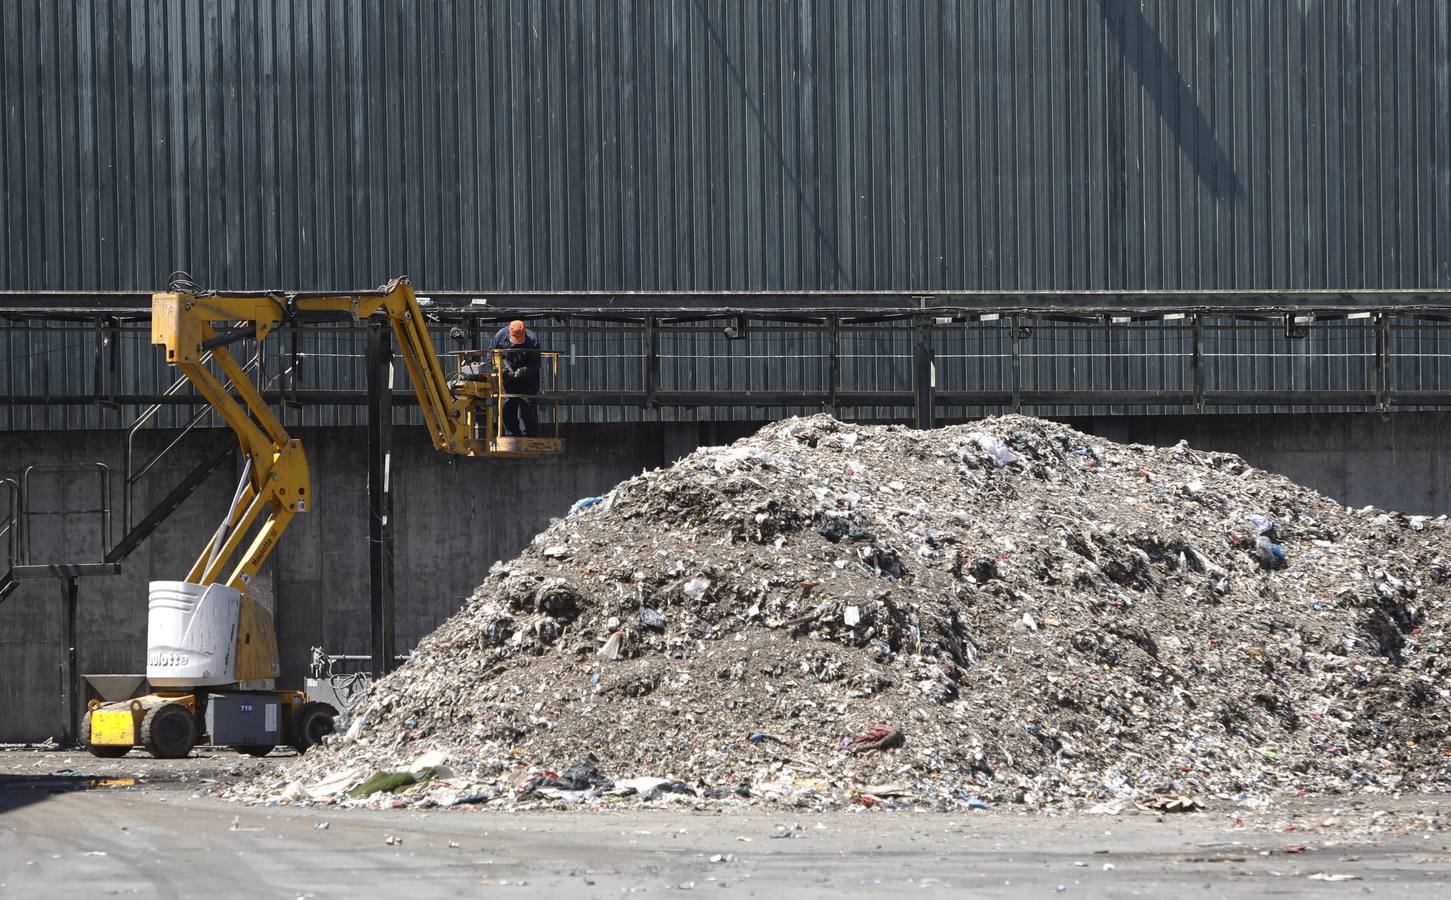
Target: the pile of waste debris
(1006, 612)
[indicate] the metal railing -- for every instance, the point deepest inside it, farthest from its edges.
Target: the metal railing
(133, 475)
(486, 366)
(25, 513)
(982, 361)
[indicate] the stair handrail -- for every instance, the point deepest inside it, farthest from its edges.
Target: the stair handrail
(7, 525)
(131, 478)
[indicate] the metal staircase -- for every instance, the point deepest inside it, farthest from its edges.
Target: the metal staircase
(136, 532)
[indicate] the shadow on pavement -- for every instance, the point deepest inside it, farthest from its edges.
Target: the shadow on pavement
(17, 791)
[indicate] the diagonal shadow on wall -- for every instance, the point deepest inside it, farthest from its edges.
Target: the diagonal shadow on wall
(1167, 89)
(773, 142)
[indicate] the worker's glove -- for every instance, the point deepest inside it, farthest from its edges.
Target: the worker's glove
(510, 371)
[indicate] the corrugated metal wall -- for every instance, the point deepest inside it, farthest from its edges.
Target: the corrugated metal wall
(706, 144)
(726, 144)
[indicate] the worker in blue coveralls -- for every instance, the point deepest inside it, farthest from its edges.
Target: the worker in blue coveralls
(521, 362)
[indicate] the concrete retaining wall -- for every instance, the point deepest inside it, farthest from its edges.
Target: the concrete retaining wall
(1395, 461)
(454, 518)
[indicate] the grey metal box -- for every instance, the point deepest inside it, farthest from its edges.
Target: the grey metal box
(244, 720)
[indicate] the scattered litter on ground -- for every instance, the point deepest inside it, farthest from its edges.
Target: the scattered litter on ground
(1006, 612)
(1174, 803)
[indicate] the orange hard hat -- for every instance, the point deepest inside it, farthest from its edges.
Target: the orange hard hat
(516, 331)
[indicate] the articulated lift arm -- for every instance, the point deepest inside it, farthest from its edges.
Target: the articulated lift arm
(196, 646)
(276, 485)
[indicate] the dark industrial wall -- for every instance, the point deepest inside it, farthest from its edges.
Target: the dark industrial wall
(1395, 461)
(678, 144)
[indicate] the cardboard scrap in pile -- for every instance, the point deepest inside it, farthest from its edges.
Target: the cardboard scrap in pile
(1003, 612)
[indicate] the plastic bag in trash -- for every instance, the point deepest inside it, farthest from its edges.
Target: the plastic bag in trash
(1261, 524)
(583, 504)
(1270, 554)
(995, 448)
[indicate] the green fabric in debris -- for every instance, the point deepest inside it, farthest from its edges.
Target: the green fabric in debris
(383, 781)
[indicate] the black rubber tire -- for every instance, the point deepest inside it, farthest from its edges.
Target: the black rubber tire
(255, 750)
(311, 724)
(168, 731)
(104, 751)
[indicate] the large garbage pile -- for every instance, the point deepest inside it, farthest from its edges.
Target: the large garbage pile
(1003, 612)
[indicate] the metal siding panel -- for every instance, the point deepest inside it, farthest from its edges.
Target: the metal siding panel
(675, 144)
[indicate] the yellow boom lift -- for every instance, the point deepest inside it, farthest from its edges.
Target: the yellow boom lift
(209, 642)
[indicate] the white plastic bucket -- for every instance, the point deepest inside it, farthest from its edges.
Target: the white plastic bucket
(191, 634)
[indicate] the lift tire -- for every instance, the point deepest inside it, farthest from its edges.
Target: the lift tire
(311, 724)
(168, 731)
(104, 751)
(254, 750)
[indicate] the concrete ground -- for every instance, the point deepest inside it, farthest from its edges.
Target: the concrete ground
(71, 826)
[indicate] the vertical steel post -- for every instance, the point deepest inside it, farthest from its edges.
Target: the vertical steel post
(107, 340)
(70, 680)
(1381, 373)
(380, 496)
(652, 361)
(1196, 364)
(924, 387)
(834, 368)
(294, 370)
(100, 353)
(114, 330)
(1017, 338)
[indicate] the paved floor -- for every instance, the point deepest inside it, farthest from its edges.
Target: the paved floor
(69, 828)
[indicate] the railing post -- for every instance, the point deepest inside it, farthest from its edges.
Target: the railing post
(1017, 339)
(114, 330)
(1196, 364)
(1380, 373)
(106, 338)
(924, 380)
(834, 369)
(652, 362)
(294, 372)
